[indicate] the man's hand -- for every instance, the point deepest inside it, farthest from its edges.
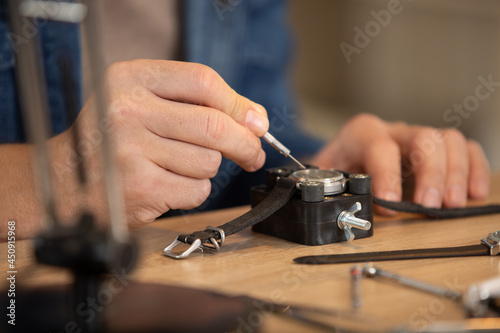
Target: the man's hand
(445, 166)
(170, 122)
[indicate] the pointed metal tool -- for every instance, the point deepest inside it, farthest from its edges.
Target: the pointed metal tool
(280, 147)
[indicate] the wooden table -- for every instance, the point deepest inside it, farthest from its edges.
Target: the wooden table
(262, 266)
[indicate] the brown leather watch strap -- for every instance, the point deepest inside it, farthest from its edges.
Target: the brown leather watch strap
(446, 252)
(278, 197)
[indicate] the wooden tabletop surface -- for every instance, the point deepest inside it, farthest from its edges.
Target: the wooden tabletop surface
(261, 266)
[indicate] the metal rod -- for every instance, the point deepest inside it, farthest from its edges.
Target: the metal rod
(356, 275)
(280, 147)
(295, 160)
(119, 229)
(30, 81)
(372, 271)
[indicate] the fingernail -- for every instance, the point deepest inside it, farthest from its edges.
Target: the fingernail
(260, 160)
(256, 122)
(455, 196)
(392, 196)
(431, 198)
(480, 189)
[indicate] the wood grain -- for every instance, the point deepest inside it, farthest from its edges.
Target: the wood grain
(262, 266)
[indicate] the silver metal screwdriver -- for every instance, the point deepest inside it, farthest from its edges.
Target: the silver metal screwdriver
(371, 270)
(280, 147)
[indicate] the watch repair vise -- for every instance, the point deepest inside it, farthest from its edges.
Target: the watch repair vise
(329, 206)
(311, 206)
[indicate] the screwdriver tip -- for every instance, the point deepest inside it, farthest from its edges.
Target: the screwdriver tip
(295, 160)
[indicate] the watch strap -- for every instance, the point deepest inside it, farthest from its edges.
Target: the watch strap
(276, 199)
(439, 213)
(445, 252)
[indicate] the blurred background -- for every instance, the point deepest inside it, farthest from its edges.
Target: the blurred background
(427, 58)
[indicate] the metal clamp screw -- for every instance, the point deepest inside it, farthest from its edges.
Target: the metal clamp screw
(346, 220)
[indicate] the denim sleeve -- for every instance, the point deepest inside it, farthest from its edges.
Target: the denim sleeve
(58, 41)
(11, 127)
(248, 43)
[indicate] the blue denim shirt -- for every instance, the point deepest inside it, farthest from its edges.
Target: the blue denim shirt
(246, 42)
(57, 40)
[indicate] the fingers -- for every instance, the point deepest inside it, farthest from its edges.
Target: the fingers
(201, 85)
(381, 157)
(184, 158)
(206, 127)
(383, 163)
(455, 194)
(446, 167)
(479, 176)
(364, 145)
(171, 123)
(189, 192)
(379, 154)
(424, 154)
(429, 162)
(166, 189)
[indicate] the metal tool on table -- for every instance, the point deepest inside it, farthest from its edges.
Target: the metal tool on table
(480, 299)
(357, 272)
(329, 320)
(372, 271)
(356, 275)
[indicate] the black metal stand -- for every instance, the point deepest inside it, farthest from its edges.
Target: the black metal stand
(90, 254)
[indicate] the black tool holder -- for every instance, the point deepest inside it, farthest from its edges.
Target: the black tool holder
(312, 218)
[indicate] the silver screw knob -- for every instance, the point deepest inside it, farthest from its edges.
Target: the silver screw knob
(346, 220)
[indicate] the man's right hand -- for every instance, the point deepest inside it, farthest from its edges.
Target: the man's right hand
(170, 123)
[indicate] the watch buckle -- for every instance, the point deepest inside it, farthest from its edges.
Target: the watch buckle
(216, 245)
(168, 251)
